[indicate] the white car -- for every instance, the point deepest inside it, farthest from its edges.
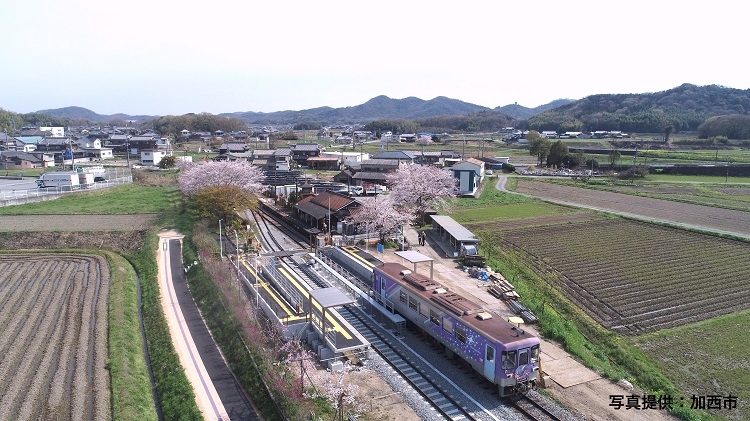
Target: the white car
(489, 172)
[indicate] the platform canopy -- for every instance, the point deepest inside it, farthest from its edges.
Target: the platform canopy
(415, 257)
(330, 297)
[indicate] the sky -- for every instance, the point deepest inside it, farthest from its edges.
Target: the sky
(157, 57)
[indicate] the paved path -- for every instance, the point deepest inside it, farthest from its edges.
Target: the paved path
(218, 395)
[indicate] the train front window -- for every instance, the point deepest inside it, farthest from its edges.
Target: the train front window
(508, 360)
(523, 357)
(535, 354)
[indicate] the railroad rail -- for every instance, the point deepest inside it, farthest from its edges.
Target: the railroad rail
(441, 400)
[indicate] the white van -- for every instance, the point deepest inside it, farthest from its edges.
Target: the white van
(67, 179)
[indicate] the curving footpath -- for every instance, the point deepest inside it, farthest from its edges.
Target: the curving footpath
(217, 393)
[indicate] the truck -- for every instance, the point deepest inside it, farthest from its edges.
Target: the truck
(470, 256)
(86, 179)
(63, 179)
(370, 188)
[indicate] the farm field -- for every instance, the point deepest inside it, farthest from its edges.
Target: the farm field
(679, 188)
(707, 358)
(728, 221)
(635, 277)
(53, 345)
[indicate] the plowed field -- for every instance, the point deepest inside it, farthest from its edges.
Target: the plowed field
(53, 341)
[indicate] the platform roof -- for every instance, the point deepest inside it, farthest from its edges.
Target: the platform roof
(456, 230)
(413, 256)
(330, 297)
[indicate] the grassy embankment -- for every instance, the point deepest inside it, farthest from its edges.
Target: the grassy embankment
(560, 320)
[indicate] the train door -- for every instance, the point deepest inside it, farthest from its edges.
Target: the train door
(489, 362)
(382, 289)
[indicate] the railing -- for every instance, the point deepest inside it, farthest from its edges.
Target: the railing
(15, 197)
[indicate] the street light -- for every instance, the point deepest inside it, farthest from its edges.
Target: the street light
(221, 244)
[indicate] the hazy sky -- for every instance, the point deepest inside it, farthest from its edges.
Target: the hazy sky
(161, 57)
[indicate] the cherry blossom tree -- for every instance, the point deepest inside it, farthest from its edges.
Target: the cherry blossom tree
(194, 177)
(342, 394)
(421, 188)
(296, 357)
(222, 188)
(382, 216)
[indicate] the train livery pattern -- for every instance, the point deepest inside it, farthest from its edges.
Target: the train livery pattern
(498, 350)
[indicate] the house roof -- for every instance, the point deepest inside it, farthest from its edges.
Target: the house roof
(19, 156)
(306, 147)
(369, 175)
(381, 162)
(398, 155)
(319, 206)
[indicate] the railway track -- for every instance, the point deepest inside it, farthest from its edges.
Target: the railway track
(532, 409)
(415, 375)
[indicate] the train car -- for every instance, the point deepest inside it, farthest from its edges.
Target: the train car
(501, 352)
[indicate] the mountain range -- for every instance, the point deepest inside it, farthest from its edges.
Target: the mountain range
(682, 108)
(380, 107)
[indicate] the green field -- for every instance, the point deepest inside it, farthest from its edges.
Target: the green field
(126, 199)
(707, 358)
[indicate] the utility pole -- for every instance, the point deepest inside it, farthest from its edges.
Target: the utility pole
(221, 243)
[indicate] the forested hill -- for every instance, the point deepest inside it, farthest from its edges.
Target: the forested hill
(519, 112)
(380, 107)
(683, 108)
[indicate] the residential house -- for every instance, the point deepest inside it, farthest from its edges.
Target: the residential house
(303, 151)
(17, 160)
(154, 156)
(272, 160)
(233, 148)
(469, 174)
(325, 210)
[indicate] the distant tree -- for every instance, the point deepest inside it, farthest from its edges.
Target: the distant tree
(167, 162)
(421, 188)
(668, 129)
(558, 152)
(614, 156)
(289, 135)
(539, 146)
(379, 215)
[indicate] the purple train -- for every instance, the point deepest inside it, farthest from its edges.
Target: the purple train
(501, 352)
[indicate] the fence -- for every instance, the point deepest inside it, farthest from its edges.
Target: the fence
(113, 177)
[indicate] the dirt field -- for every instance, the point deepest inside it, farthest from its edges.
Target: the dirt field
(53, 345)
(684, 214)
(31, 223)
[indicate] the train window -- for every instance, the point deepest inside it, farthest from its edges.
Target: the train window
(424, 311)
(402, 297)
(534, 354)
(460, 333)
(508, 360)
(490, 354)
(434, 317)
(523, 357)
(382, 284)
(447, 324)
(412, 303)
